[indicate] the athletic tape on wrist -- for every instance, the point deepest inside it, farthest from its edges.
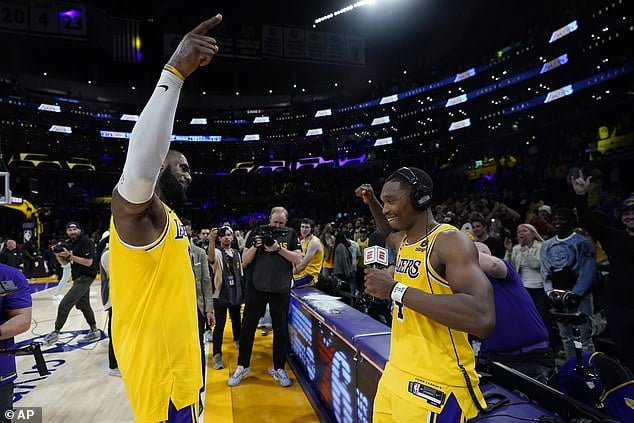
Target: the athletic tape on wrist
(398, 291)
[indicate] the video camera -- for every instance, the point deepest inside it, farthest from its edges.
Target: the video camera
(269, 234)
(60, 246)
(564, 300)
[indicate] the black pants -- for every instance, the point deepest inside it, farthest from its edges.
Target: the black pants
(621, 327)
(220, 312)
(6, 400)
(112, 360)
(254, 309)
(78, 296)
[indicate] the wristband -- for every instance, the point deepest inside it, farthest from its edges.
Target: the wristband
(398, 291)
(175, 71)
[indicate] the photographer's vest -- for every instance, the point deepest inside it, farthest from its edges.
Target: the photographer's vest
(231, 290)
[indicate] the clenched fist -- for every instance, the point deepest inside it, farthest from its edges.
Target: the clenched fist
(196, 49)
(366, 193)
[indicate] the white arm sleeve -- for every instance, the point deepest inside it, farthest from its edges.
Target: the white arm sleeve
(150, 140)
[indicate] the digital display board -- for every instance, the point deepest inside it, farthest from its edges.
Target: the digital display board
(344, 386)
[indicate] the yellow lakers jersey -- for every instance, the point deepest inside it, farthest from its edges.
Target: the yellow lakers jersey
(155, 321)
(314, 265)
(428, 361)
(362, 246)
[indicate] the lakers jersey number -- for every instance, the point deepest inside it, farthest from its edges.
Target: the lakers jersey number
(428, 361)
(155, 322)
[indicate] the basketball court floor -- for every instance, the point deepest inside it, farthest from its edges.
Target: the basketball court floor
(78, 388)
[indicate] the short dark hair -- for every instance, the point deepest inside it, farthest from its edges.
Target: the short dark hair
(567, 214)
(223, 231)
(478, 218)
(307, 221)
(185, 221)
(421, 175)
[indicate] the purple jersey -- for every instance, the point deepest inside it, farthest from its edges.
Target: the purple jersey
(519, 327)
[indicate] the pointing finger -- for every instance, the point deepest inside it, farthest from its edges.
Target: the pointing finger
(205, 26)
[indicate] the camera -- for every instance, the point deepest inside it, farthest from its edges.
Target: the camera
(269, 234)
(60, 246)
(564, 300)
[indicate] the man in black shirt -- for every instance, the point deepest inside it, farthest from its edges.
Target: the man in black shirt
(619, 246)
(481, 231)
(9, 255)
(81, 252)
(269, 277)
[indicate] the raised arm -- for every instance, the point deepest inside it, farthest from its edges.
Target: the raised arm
(366, 193)
(137, 212)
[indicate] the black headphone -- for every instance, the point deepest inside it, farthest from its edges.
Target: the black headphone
(420, 194)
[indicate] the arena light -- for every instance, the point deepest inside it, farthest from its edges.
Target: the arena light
(114, 134)
(383, 141)
(555, 63)
(198, 121)
(380, 120)
(464, 75)
(131, 118)
(559, 93)
(389, 99)
(197, 138)
(261, 119)
(460, 124)
(252, 137)
(313, 132)
(60, 128)
(563, 31)
(456, 100)
(325, 112)
(346, 9)
(49, 108)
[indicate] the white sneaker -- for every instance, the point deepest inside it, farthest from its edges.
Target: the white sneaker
(114, 372)
(217, 362)
(51, 338)
(280, 376)
(93, 335)
(237, 376)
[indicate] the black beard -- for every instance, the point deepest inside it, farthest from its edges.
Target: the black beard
(172, 190)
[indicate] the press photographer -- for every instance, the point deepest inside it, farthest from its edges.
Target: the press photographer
(269, 259)
(80, 252)
(15, 318)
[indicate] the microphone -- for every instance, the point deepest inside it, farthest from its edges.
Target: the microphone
(375, 256)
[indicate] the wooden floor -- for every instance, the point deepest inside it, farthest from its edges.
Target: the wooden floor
(78, 388)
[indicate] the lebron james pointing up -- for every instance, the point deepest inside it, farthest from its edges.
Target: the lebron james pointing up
(152, 287)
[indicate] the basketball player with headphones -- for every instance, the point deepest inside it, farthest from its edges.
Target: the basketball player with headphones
(440, 295)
